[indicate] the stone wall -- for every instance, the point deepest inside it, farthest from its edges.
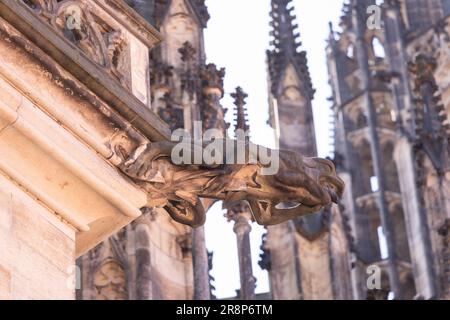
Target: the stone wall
(36, 249)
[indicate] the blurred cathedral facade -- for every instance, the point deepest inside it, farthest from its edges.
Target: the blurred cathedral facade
(390, 107)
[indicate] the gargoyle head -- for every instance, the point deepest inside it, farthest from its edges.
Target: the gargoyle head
(302, 186)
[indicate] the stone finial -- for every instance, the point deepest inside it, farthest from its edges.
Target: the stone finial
(240, 111)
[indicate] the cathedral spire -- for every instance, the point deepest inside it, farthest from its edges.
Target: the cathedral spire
(286, 46)
(285, 33)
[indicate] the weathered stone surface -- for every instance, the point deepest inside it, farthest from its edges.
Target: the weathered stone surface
(37, 249)
(314, 259)
(5, 284)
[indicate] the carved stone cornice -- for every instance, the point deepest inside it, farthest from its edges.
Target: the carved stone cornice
(116, 8)
(100, 41)
(49, 48)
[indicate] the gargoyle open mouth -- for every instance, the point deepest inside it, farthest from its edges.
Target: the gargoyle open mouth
(303, 186)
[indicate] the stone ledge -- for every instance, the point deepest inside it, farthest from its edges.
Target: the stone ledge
(64, 174)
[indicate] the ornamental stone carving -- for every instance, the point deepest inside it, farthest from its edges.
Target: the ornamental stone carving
(302, 185)
(78, 22)
(211, 79)
(110, 282)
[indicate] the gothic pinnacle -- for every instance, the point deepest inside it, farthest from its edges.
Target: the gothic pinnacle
(286, 43)
(240, 111)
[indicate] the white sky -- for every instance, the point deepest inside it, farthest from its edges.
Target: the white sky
(237, 38)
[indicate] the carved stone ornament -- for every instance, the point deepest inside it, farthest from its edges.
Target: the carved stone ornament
(306, 184)
(189, 76)
(161, 74)
(187, 52)
(171, 114)
(212, 92)
(76, 21)
(212, 77)
(110, 281)
(432, 128)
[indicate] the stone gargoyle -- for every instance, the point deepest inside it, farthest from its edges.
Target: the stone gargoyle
(301, 185)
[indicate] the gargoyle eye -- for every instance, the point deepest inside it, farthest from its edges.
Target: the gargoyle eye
(288, 205)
